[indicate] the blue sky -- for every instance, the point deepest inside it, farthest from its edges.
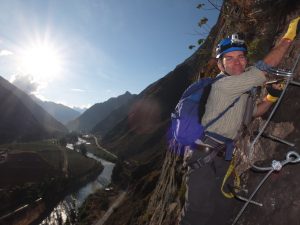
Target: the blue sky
(80, 52)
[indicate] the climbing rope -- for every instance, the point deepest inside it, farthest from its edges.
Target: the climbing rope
(291, 157)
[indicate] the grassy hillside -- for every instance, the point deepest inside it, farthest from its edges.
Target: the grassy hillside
(33, 170)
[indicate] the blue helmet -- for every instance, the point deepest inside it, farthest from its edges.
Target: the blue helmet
(235, 42)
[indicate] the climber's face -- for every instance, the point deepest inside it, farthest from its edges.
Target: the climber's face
(233, 63)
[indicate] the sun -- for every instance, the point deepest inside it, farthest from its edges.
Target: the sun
(42, 61)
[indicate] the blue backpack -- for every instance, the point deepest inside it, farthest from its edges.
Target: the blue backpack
(186, 125)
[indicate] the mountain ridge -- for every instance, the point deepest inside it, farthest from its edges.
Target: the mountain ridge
(22, 119)
(60, 112)
(99, 111)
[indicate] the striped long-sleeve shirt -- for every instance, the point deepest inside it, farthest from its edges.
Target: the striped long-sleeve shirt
(223, 93)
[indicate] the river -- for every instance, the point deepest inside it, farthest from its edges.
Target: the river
(67, 209)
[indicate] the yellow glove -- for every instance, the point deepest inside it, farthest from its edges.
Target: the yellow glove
(271, 98)
(292, 30)
(274, 89)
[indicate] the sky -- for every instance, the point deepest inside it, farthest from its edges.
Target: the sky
(82, 52)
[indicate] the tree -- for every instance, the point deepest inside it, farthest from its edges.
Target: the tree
(203, 22)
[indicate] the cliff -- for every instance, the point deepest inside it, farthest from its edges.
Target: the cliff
(156, 189)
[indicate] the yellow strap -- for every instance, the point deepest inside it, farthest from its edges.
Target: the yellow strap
(237, 181)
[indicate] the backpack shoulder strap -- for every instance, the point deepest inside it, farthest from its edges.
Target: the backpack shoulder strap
(194, 87)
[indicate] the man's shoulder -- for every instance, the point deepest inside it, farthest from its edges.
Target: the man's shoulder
(250, 68)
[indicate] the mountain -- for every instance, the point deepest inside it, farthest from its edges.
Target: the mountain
(60, 112)
(115, 117)
(22, 119)
(80, 110)
(98, 112)
(154, 176)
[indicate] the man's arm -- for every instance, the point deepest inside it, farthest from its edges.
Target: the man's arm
(269, 99)
(262, 108)
(273, 59)
(276, 54)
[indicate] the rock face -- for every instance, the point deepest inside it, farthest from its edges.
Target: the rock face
(156, 185)
(276, 194)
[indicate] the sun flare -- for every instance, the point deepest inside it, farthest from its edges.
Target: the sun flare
(42, 61)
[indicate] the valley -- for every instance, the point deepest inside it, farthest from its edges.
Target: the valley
(33, 171)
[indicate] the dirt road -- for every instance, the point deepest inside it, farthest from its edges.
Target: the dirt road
(103, 149)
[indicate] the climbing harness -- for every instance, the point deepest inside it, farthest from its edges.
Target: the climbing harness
(292, 156)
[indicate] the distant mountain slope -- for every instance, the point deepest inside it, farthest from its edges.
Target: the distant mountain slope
(80, 110)
(60, 112)
(98, 112)
(115, 117)
(22, 119)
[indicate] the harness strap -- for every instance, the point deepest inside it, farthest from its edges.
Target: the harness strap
(237, 180)
(227, 141)
(202, 161)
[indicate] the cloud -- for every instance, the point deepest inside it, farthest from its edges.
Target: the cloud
(82, 108)
(79, 108)
(41, 97)
(26, 83)
(5, 52)
(78, 90)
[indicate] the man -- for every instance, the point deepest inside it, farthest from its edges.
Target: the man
(204, 204)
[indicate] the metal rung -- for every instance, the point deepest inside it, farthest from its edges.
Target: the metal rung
(280, 72)
(232, 190)
(275, 81)
(295, 83)
(251, 201)
(278, 139)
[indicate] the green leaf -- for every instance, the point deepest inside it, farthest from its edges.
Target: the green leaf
(201, 41)
(202, 21)
(200, 5)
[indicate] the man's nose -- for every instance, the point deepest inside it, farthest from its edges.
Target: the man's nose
(236, 61)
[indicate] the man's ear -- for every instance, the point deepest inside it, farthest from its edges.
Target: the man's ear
(220, 65)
